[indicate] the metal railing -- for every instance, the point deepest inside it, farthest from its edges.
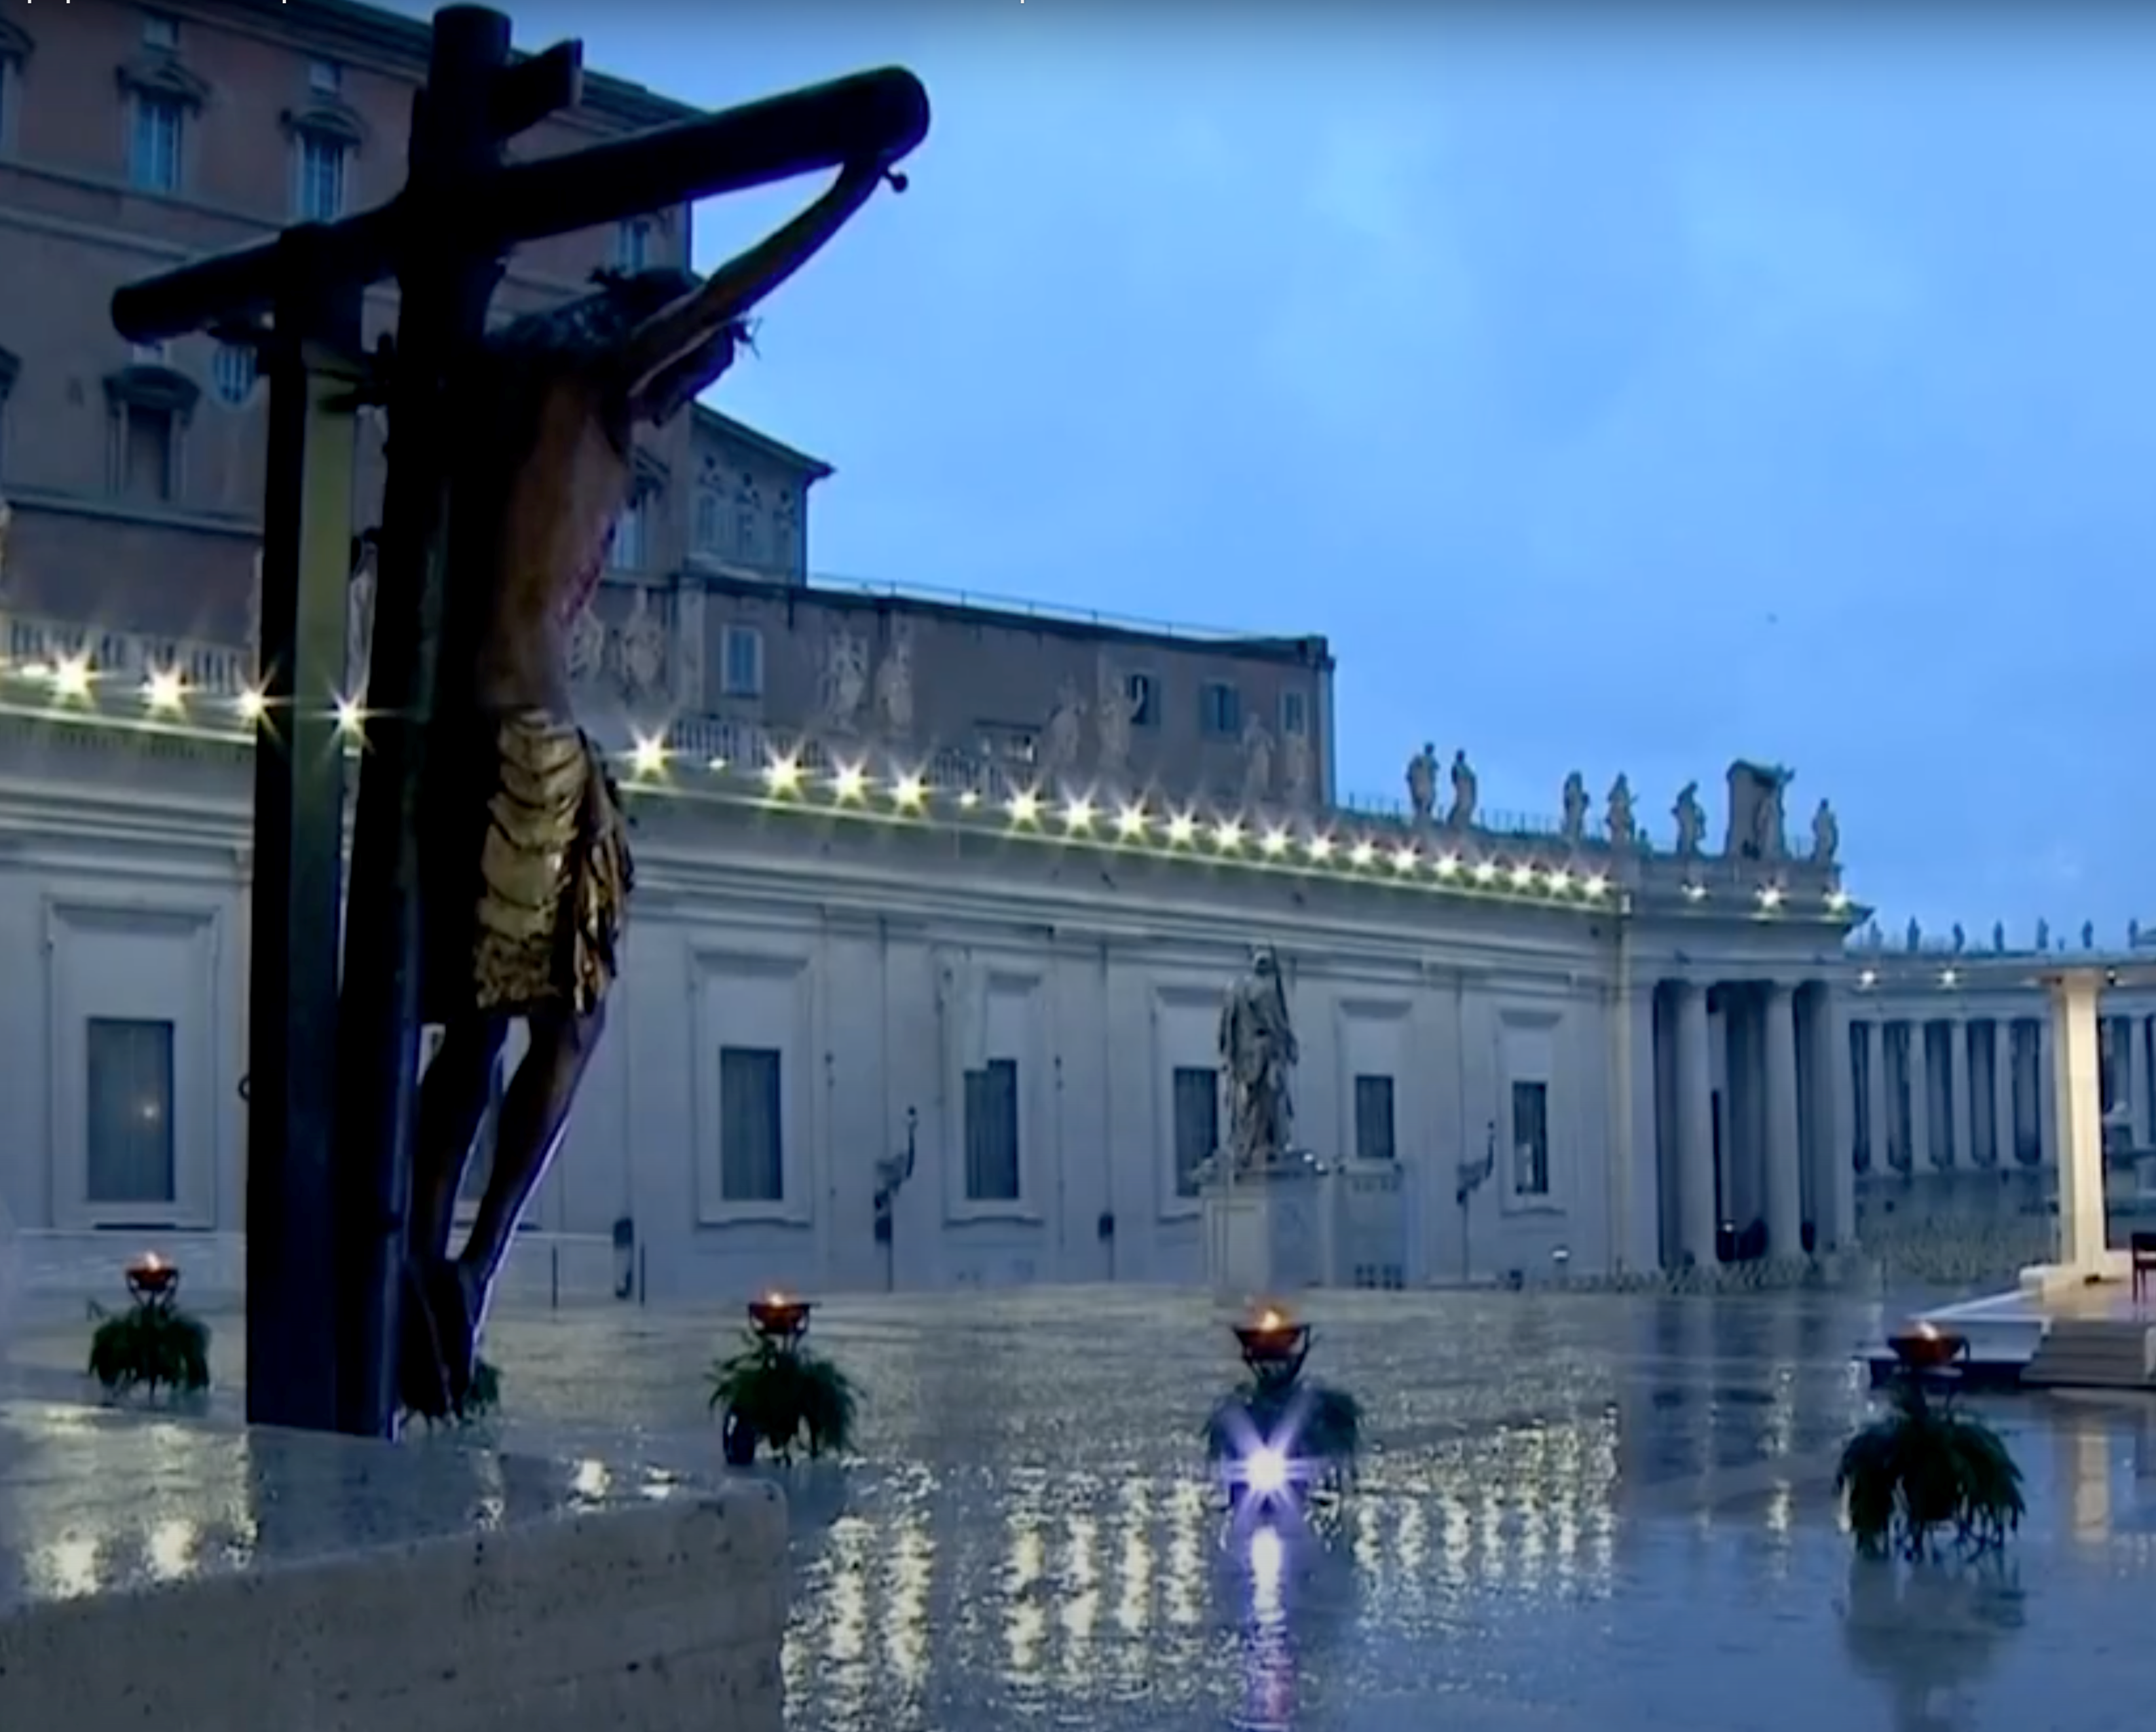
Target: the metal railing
(1053, 612)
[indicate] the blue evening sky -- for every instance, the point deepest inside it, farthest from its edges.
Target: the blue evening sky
(1626, 400)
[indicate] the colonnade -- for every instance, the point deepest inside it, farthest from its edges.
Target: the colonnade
(1977, 1089)
(1753, 1111)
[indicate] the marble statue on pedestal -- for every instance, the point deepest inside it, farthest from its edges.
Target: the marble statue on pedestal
(894, 685)
(1258, 1055)
(1065, 732)
(1916, 934)
(1575, 808)
(1960, 938)
(1826, 834)
(1464, 786)
(1422, 783)
(844, 683)
(1297, 772)
(1114, 711)
(1257, 763)
(1624, 829)
(2043, 935)
(1999, 935)
(1756, 828)
(1691, 821)
(2088, 935)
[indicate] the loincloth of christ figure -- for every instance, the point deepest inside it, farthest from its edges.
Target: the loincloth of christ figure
(525, 865)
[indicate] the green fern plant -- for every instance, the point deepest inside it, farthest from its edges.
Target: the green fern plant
(152, 1345)
(1325, 1424)
(786, 1397)
(1920, 1467)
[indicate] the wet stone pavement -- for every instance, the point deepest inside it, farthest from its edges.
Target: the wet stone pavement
(1575, 1513)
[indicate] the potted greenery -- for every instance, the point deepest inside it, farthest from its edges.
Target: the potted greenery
(776, 1392)
(1921, 1468)
(153, 1345)
(1276, 1434)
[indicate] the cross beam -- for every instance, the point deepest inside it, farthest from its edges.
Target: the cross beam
(334, 1060)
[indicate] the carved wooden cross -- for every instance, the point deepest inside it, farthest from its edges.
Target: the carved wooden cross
(330, 1105)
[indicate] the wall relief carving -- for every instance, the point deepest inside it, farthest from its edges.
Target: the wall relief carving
(893, 683)
(844, 683)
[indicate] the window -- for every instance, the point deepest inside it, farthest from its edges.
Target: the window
(751, 1154)
(1374, 1119)
(708, 505)
(1221, 710)
(748, 524)
(633, 249)
(161, 33)
(321, 164)
(625, 550)
(130, 1120)
(146, 453)
(154, 156)
(1295, 713)
(1145, 710)
(232, 372)
(741, 675)
(992, 1172)
(1197, 1123)
(1531, 1174)
(325, 78)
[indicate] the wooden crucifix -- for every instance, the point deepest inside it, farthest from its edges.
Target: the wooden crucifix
(488, 866)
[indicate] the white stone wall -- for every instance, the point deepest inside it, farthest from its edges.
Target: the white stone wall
(881, 963)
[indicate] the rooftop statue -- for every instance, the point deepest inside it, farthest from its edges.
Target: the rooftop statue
(1422, 783)
(2088, 935)
(2043, 935)
(1960, 938)
(1999, 935)
(1575, 808)
(1916, 934)
(1826, 835)
(1624, 829)
(526, 885)
(1258, 1055)
(1691, 821)
(1464, 786)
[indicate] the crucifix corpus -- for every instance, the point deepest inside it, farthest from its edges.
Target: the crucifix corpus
(490, 869)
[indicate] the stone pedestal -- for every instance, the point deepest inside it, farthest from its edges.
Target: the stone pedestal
(1265, 1232)
(184, 1576)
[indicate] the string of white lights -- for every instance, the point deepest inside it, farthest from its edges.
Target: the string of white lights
(73, 692)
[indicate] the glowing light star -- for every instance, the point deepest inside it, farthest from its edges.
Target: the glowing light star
(1560, 881)
(1181, 828)
(1319, 848)
(1405, 858)
(717, 766)
(1596, 885)
(1837, 901)
(1131, 823)
(647, 757)
(1275, 843)
(970, 799)
(1265, 1470)
(1228, 836)
(1522, 876)
(1770, 896)
(910, 793)
(1870, 976)
(1078, 814)
(782, 775)
(1448, 865)
(1948, 978)
(349, 720)
(850, 782)
(250, 704)
(1023, 806)
(163, 691)
(1486, 870)
(1362, 853)
(1695, 892)
(71, 676)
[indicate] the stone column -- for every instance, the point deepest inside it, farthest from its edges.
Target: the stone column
(1694, 1126)
(1785, 1177)
(1875, 1099)
(1961, 1084)
(2002, 1091)
(2076, 1077)
(1635, 1227)
(1920, 1098)
(1834, 1122)
(2047, 1094)
(2136, 1084)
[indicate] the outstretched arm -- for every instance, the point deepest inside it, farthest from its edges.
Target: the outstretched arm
(684, 346)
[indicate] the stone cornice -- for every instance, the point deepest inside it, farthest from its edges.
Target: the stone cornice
(163, 74)
(326, 117)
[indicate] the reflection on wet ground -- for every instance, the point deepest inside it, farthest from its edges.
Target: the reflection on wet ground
(1576, 1512)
